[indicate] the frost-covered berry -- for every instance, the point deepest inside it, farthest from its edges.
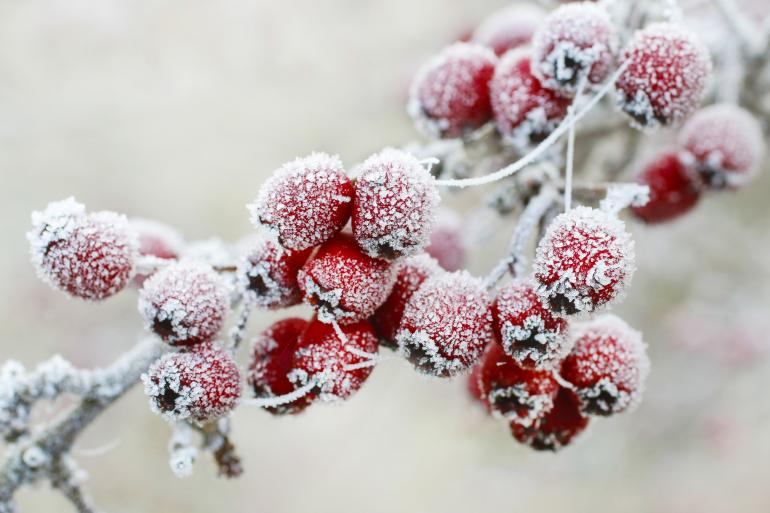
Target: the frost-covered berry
(269, 273)
(668, 70)
(674, 189)
(607, 366)
(724, 143)
(200, 385)
(184, 303)
(305, 202)
(525, 112)
(449, 97)
(529, 332)
(87, 255)
(344, 284)
(157, 240)
(446, 324)
(557, 428)
(337, 367)
(513, 392)
(584, 261)
(446, 241)
(575, 42)
(411, 274)
(510, 27)
(394, 205)
(271, 362)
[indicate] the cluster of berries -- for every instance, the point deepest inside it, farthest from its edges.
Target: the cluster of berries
(522, 69)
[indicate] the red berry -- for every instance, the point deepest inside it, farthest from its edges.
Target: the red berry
(200, 385)
(157, 240)
(666, 76)
(510, 27)
(446, 241)
(584, 261)
(528, 332)
(394, 205)
(607, 366)
(557, 428)
(184, 303)
(576, 42)
(674, 189)
(87, 255)
(344, 284)
(525, 112)
(449, 97)
(513, 392)
(321, 356)
(474, 386)
(411, 274)
(273, 360)
(446, 324)
(724, 143)
(305, 202)
(269, 273)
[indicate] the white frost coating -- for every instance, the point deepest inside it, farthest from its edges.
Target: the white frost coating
(280, 400)
(620, 196)
(182, 454)
(395, 205)
(156, 238)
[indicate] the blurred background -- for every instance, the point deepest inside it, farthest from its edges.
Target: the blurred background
(179, 110)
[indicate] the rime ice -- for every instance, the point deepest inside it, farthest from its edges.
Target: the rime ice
(269, 273)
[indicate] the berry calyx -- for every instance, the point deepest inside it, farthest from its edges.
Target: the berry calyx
(449, 97)
(512, 392)
(666, 77)
(184, 303)
(725, 145)
(344, 284)
(584, 261)
(556, 428)
(394, 205)
(268, 273)
(529, 332)
(508, 28)
(446, 324)
(200, 385)
(525, 112)
(87, 255)
(271, 362)
(607, 366)
(305, 202)
(674, 189)
(411, 274)
(575, 42)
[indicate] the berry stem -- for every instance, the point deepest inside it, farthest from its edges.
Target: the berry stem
(238, 332)
(271, 402)
(571, 146)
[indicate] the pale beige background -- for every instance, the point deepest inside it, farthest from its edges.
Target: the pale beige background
(178, 110)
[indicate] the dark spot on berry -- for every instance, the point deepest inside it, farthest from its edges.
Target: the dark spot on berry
(163, 328)
(167, 401)
(258, 285)
(602, 404)
(507, 401)
(560, 303)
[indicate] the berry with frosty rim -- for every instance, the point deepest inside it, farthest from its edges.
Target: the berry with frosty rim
(556, 428)
(184, 303)
(90, 255)
(674, 189)
(447, 245)
(268, 273)
(394, 205)
(157, 240)
(508, 28)
(305, 202)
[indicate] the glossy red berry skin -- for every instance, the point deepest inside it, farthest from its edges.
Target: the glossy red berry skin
(584, 261)
(575, 42)
(268, 273)
(449, 97)
(508, 28)
(556, 428)
(344, 284)
(528, 332)
(513, 392)
(271, 362)
(199, 385)
(674, 189)
(184, 303)
(87, 255)
(411, 274)
(525, 112)
(666, 77)
(607, 365)
(394, 207)
(446, 242)
(321, 356)
(306, 202)
(446, 324)
(724, 144)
